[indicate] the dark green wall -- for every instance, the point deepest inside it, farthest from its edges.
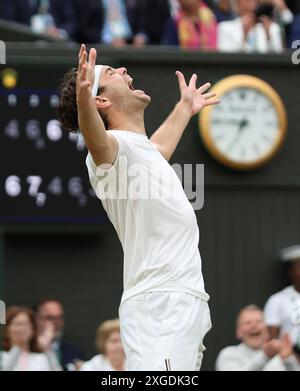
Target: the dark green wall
(246, 219)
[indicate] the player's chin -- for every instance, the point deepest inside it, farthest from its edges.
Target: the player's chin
(142, 96)
(147, 98)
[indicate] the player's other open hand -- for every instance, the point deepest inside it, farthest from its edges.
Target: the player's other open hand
(195, 99)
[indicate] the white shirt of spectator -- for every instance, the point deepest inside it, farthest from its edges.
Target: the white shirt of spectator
(243, 358)
(231, 38)
(283, 310)
(15, 360)
(159, 235)
(97, 363)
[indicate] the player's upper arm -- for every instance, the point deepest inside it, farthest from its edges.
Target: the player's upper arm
(106, 153)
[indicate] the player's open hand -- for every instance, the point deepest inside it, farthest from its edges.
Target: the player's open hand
(195, 98)
(86, 74)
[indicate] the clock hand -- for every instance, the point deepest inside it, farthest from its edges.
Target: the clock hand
(242, 125)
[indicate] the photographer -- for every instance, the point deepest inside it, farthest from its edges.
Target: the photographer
(254, 30)
(280, 11)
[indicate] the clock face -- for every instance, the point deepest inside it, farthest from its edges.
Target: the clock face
(249, 125)
(245, 126)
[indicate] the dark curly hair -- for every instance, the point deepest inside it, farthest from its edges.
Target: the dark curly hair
(67, 110)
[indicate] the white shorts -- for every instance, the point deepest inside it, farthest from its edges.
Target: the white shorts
(160, 326)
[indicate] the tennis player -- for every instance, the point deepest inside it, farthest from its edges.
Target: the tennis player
(164, 314)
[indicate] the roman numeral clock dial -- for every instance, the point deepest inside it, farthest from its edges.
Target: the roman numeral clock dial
(249, 126)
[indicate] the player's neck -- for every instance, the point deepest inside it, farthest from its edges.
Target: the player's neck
(134, 123)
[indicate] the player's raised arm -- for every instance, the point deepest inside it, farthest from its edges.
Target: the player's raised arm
(103, 147)
(192, 101)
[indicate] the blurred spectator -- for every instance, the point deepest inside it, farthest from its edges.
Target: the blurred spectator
(64, 17)
(255, 352)
(22, 347)
(193, 27)
(148, 19)
(294, 6)
(108, 343)
(17, 11)
(50, 314)
(134, 10)
(252, 31)
(225, 10)
(293, 31)
(281, 14)
(76, 20)
(43, 16)
(282, 310)
(297, 355)
(288, 360)
(45, 19)
(154, 16)
(116, 29)
(88, 19)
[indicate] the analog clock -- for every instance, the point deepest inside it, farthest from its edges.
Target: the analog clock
(248, 127)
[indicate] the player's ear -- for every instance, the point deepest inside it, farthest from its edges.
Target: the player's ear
(102, 102)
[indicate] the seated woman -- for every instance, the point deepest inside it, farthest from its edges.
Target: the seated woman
(22, 349)
(108, 343)
(194, 27)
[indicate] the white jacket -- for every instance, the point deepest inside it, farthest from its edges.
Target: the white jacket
(231, 38)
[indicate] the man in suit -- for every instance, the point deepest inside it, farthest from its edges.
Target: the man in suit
(293, 31)
(89, 19)
(50, 320)
(147, 20)
(17, 11)
(79, 20)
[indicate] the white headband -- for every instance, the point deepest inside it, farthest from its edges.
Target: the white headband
(98, 71)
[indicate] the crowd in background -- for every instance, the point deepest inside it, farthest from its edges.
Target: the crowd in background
(33, 340)
(269, 339)
(225, 25)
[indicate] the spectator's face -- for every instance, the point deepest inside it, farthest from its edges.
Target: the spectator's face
(224, 5)
(51, 312)
(113, 347)
(20, 330)
(247, 6)
(295, 273)
(189, 4)
(252, 329)
(119, 89)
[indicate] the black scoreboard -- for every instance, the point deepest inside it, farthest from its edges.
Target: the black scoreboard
(43, 177)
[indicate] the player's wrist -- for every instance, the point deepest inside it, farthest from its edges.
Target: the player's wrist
(85, 100)
(185, 107)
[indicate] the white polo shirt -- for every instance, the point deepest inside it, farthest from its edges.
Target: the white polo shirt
(283, 310)
(159, 235)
